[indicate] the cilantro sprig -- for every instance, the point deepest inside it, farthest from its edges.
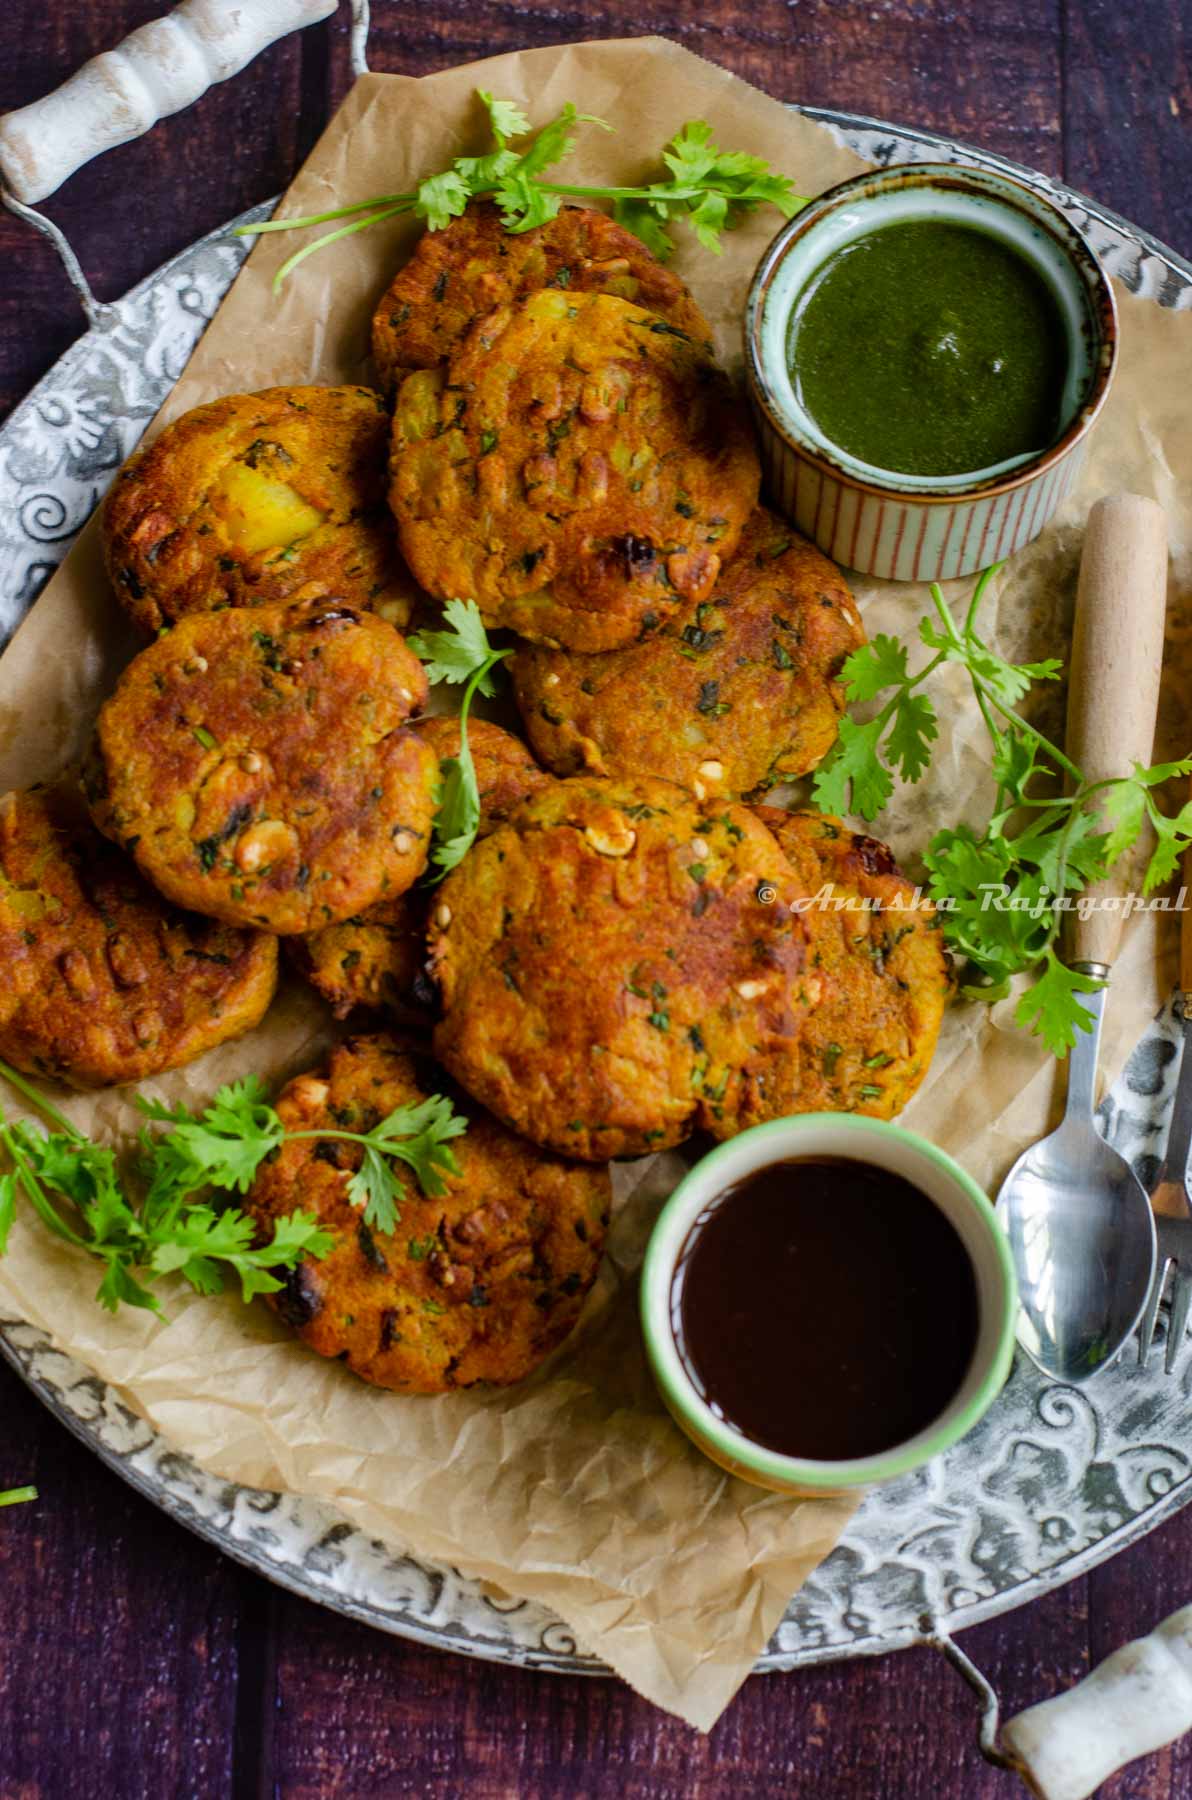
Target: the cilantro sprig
(172, 1216)
(462, 653)
(1003, 892)
(710, 188)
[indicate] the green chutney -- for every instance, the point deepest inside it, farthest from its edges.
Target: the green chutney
(929, 348)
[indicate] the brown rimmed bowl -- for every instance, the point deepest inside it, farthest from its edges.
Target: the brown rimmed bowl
(920, 527)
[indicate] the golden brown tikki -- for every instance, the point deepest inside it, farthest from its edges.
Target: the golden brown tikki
(474, 265)
(613, 961)
(251, 498)
(885, 973)
(580, 469)
(738, 696)
(258, 765)
(378, 959)
(102, 980)
(477, 1285)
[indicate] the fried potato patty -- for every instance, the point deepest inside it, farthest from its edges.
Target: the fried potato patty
(474, 265)
(250, 498)
(257, 764)
(478, 1285)
(103, 981)
(378, 959)
(613, 962)
(580, 469)
(885, 972)
(732, 700)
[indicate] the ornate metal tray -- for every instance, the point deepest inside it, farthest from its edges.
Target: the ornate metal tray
(1052, 1482)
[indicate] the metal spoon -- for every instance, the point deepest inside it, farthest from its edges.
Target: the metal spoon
(1078, 1219)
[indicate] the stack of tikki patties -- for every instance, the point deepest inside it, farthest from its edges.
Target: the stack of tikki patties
(623, 954)
(629, 956)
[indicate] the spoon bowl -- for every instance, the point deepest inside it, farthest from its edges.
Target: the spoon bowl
(1082, 1236)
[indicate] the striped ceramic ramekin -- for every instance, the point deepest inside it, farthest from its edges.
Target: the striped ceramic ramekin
(918, 527)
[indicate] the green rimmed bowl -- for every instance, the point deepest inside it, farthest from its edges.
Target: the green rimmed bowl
(881, 1145)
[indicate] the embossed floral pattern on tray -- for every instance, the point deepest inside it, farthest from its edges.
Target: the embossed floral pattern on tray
(1053, 1481)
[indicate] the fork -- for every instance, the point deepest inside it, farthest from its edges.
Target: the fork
(1170, 1200)
(1173, 1235)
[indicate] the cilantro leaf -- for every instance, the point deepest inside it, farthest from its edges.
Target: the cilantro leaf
(456, 654)
(377, 1191)
(1174, 839)
(912, 733)
(1161, 772)
(1125, 811)
(204, 1239)
(1014, 762)
(483, 174)
(1052, 1008)
(708, 219)
(881, 663)
(441, 198)
(691, 153)
(524, 203)
(854, 767)
(223, 1147)
(1165, 860)
(1006, 681)
(120, 1287)
(419, 1135)
(645, 220)
(457, 815)
(416, 1135)
(1068, 859)
(462, 653)
(554, 142)
(505, 116)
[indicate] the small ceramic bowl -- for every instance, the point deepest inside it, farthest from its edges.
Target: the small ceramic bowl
(921, 527)
(863, 1140)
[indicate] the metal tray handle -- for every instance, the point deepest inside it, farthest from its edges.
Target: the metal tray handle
(1135, 1702)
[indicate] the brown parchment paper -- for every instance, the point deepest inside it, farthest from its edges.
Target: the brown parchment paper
(573, 1489)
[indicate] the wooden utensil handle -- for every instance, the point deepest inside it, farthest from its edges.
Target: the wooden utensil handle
(160, 68)
(1117, 655)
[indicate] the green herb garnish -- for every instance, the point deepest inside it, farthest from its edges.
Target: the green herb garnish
(1002, 893)
(17, 1496)
(460, 654)
(170, 1221)
(712, 189)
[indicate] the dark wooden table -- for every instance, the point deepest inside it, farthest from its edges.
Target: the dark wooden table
(135, 1661)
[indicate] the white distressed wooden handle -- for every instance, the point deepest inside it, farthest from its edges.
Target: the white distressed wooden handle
(160, 68)
(1138, 1700)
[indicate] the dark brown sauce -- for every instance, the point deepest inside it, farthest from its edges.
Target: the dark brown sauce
(827, 1308)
